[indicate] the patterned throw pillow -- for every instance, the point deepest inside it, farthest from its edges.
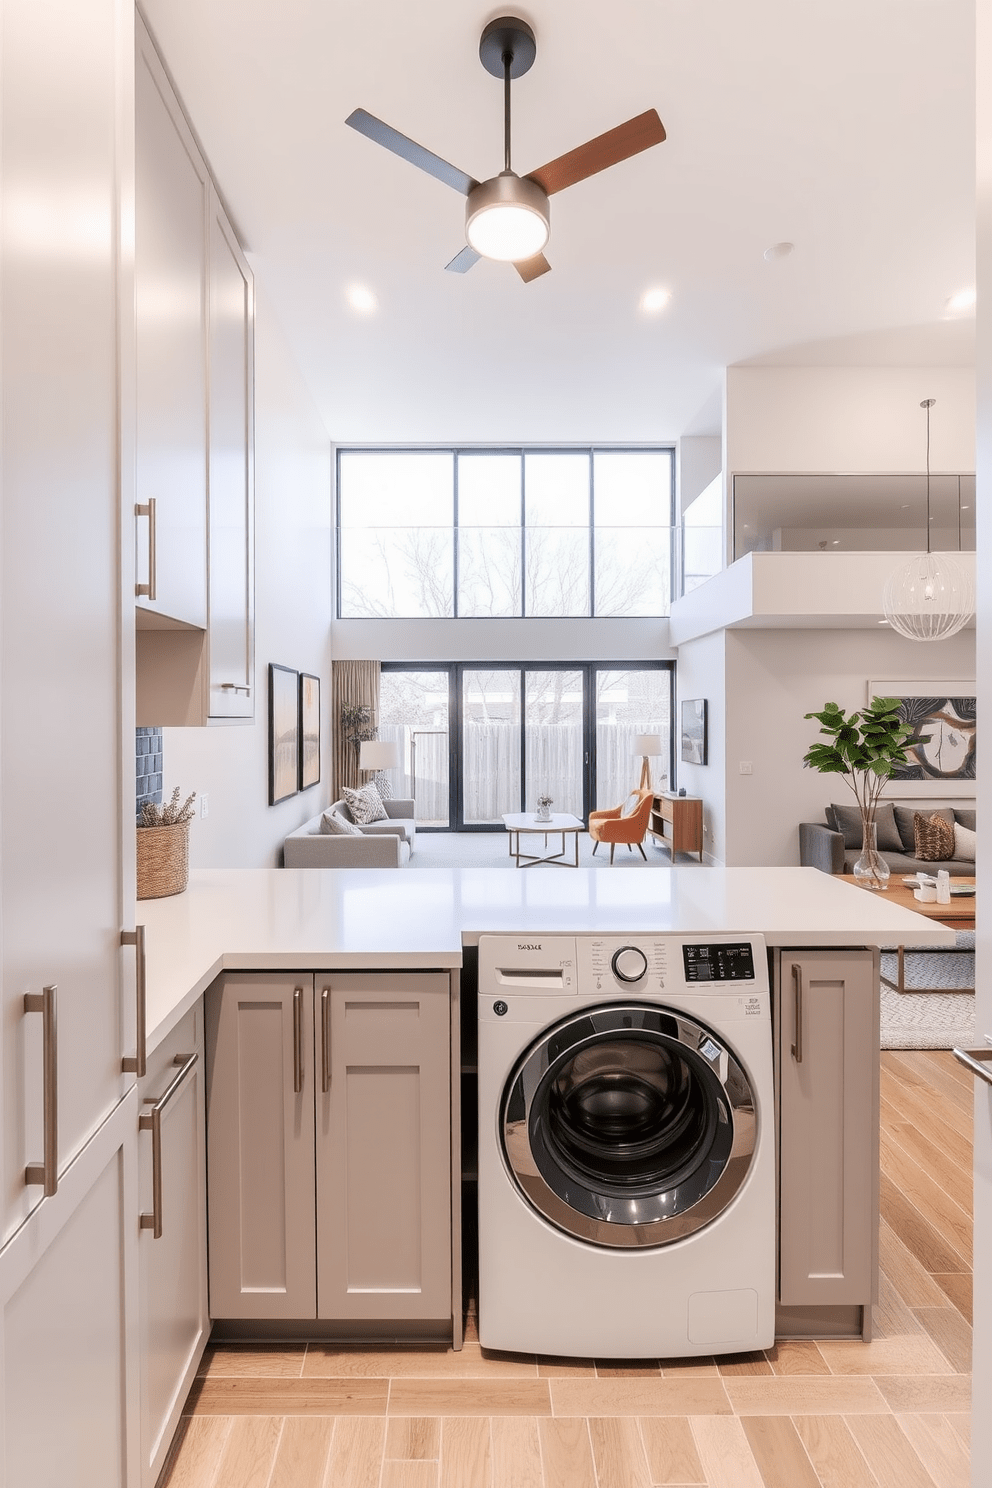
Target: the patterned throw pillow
(333, 824)
(934, 838)
(383, 785)
(365, 805)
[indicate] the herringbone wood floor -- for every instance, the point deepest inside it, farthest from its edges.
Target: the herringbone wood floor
(890, 1414)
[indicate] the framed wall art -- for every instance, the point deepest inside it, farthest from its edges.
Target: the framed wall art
(694, 740)
(942, 713)
(309, 730)
(284, 733)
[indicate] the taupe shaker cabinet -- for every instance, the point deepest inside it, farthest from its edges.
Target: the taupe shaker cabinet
(194, 420)
(172, 1235)
(329, 1148)
(826, 1042)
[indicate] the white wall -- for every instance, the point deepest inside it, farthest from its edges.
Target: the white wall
(701, 674)
(699, 463)
(838, 419)
(292, 608)
(773, 678)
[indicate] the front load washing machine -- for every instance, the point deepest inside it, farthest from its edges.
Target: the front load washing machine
(626, 1145)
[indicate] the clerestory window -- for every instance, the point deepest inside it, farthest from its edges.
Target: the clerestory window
(454, 533)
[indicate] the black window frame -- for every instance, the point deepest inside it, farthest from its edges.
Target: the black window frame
(456, 670)
(521, 450)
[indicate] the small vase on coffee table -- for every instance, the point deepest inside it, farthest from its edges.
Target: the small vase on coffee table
(871, 870)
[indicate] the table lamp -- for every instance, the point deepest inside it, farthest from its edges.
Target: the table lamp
(646, 745)
(378, 754)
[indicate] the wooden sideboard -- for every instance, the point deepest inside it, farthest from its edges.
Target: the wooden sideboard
(677, 821)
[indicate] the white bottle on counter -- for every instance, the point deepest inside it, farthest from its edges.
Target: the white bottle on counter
(943, 887)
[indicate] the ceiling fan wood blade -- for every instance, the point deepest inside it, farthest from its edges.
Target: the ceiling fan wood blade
(598, 154)
(532, 268)
(462, 262)
(408, 149)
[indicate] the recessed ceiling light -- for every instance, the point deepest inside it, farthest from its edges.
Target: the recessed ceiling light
(362, 299)
(653, 300)
(779, 250)
(962, 302)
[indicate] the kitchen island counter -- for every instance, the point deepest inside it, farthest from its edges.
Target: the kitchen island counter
(364, 919)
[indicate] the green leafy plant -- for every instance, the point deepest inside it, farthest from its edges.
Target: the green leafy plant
(356, 724)
(865, 748)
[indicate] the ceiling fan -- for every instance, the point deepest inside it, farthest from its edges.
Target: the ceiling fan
(508, 217)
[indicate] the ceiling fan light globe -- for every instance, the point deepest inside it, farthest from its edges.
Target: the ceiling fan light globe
(507, 233)
(508, 218)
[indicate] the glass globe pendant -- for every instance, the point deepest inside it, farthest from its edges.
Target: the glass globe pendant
(930, 597)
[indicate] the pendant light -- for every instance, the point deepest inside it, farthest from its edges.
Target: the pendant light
(930, 597)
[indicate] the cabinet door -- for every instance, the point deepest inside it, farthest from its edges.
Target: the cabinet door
(61, 627)
(383, 1146)
(231, 500)
(260, 1154)
(827, 1037)
(171, 215)
(173, 1263)
(65, 1296)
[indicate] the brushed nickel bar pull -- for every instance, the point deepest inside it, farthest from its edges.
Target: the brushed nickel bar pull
(797, 982)
(977, 1061)
(235, 687)
(47, 1172)
(325, 1039)
(147, 509)
(137, 1064)
(298, 1040)
(152, 1121)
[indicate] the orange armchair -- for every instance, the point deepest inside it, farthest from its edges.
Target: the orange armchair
(612, 827)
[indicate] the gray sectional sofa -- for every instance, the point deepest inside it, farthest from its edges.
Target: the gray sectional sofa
(834, 844)
(382, 844)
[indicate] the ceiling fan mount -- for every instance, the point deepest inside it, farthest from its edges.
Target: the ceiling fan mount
(508, 217)
(508, 35)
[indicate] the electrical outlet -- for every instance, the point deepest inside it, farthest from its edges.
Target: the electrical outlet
(205, 804)
(746, 767)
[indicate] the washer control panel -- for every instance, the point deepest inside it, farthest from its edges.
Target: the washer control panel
(649, 965)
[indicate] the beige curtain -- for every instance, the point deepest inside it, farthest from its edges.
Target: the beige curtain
(351, 682)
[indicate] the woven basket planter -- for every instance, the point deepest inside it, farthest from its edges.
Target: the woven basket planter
(163, 860)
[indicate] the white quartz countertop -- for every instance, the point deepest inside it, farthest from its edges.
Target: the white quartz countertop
(307, 919)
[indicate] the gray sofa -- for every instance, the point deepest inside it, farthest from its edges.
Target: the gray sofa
(834, 846)
(382, 844)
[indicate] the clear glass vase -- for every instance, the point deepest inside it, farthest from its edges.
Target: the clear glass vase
(871, 870)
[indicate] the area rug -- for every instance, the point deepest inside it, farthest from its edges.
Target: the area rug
(491, 850)
(931, 1020)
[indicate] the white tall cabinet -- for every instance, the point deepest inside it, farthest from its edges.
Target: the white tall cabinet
(68, 1262)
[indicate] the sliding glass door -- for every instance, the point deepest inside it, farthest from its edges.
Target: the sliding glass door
(479, 741)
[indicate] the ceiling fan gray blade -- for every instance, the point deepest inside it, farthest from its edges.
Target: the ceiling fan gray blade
(383, 134)
(462, 262)
(532, 268)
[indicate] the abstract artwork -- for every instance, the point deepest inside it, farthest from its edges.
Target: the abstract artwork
(284, 733)
(309, 730)
(942, 715)
(694, 731)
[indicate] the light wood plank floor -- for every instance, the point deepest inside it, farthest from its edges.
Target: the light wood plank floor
(890, 1414)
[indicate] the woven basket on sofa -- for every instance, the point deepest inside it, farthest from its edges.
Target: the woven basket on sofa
(163, 860)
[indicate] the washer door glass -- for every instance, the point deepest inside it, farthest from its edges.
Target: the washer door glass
(628, 1125)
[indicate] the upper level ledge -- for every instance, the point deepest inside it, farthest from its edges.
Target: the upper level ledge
(786, 591)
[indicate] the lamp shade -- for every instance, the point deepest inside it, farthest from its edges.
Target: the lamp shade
(379, 754)
(647, 744)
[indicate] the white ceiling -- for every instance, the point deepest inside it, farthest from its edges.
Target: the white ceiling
(847, 129)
